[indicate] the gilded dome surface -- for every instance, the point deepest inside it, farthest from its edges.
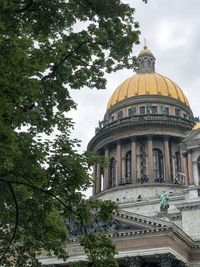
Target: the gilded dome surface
(197, 126)
(147, 84)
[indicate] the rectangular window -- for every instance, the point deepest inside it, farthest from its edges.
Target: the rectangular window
(154, 109)
(142, 110)
(131, 111)
(164, 109)
(120, 114)
(167, 111)
(177, 112)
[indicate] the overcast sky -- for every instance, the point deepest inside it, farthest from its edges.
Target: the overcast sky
(172, 31)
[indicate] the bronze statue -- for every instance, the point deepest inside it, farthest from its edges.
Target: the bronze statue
(164, 201)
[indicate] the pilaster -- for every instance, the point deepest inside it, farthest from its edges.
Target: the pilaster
(95, 179)
(119, 163)
(185, 169)
(133, 160)
(98, 181)
(150, 158)
(123, 180)
(181, 157)
(106, 169)
(167, 160)
(190, 170)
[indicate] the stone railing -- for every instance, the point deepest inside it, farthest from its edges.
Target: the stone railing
(139, 118)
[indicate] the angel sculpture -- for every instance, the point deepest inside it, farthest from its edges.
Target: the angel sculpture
(164, 201)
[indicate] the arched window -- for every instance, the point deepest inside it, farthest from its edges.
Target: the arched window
(198, 166)
(112, 172)
(158, 165)
(128, 167)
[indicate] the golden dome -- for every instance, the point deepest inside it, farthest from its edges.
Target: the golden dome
(147, 84)
(197, 126)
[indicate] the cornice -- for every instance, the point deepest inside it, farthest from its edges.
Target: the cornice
(176, 129)
(136, 185)
(189, 205)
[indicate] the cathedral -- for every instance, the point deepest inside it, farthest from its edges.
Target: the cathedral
(151, 143)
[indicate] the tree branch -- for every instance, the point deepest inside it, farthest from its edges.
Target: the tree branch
(40, 189)
(79, 59)
(88, 244)
(64, 57)
(16, 219)
(9, 183)
(25, 7)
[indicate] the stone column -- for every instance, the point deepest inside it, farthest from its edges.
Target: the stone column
(123, 180)
(133, 160)
(150, 158)
(119, 163)
(98, 181)
(95, 181)
(185, 169)
(106, 170)
(181, 158)
(190, 168)
(167, 160)
(133, 261)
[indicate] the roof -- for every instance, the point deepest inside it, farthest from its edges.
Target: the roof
(147, 84)
(145, 52)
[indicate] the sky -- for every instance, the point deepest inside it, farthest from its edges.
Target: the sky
(172, 31)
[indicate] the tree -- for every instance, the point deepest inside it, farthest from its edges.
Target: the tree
(47, 47)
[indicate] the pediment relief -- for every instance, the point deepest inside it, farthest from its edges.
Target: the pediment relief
(112, 226)
(121, 222)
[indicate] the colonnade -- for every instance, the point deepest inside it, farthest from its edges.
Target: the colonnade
(103, 184)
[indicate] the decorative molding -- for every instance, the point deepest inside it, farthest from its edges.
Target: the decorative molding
(189, 205)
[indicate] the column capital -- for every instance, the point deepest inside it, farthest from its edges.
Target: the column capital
(119, 142)
(149, 137)
(166, 137)
(133, 139)
(106, 146)
(190, 151)
(184, 154)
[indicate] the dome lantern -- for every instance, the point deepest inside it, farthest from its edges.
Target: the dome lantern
(146, 60)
